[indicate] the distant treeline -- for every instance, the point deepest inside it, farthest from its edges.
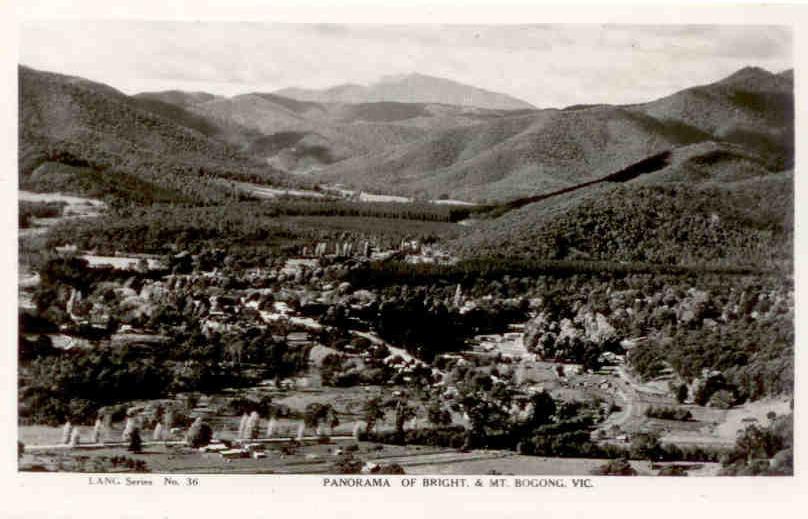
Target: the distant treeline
(142, 177)
(382, 273)
(400, 210)
(94, 182)
(60, 171)
(251, 232)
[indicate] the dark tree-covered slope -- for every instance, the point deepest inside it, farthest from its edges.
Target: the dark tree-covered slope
(77, 122)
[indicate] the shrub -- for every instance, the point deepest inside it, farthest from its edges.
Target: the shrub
(669, 413)
(722, 399)
(618, 467)
(252, 426)
(392, 469)
(646, 446)
(453, 436)
(672, 470)
(199, 435)
(135, 442)
(681, 393)
(347, 464)
(290, 448)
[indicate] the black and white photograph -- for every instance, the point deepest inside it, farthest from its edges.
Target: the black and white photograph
(422, 249)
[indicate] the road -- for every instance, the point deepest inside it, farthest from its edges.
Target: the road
(634, 400)
(630, 405)
(377, 340)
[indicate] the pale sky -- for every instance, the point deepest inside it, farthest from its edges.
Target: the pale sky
(546, 65)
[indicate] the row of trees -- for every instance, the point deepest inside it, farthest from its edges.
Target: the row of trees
(498, 267)
(250, 232)
(393, 210)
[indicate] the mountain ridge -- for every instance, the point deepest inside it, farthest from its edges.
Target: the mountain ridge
(416, 149)
(74, 121)
(410, 88)
(547, 150)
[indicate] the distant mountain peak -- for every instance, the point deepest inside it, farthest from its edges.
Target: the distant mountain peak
(753, 70)
(757, 79)
(25, 71)
(748, 72)
(410, 88)
(395, 78)
(178, 97)
(345, 86)
(157, 144)
(787, 74)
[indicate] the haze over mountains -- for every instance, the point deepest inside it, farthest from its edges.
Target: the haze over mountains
(430, 150)
(416, 135)
(305, 130)
(410, 88)
(68, 122)
(527, 154)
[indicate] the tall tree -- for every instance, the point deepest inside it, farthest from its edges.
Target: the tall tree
(372, 412)
(404, 413)
(135, 442)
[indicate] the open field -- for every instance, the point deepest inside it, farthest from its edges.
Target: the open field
(361, 196)
(370, 197)
(452, 202)
(519, 465)
(309, 458)
(120, 262)
(753, 412)
(720, 427)
(319, 458)
(75, 207)
(269, 192)
(46, 435)
(70, 200)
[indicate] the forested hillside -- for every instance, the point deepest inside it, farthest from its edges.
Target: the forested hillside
(752, 107)
(72, 121)
(330, 132)
(530, 153)
(747, 222)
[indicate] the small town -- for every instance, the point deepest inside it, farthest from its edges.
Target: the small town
(538, 251)
(345, 395)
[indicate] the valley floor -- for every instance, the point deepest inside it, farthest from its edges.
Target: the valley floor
(314, 458)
